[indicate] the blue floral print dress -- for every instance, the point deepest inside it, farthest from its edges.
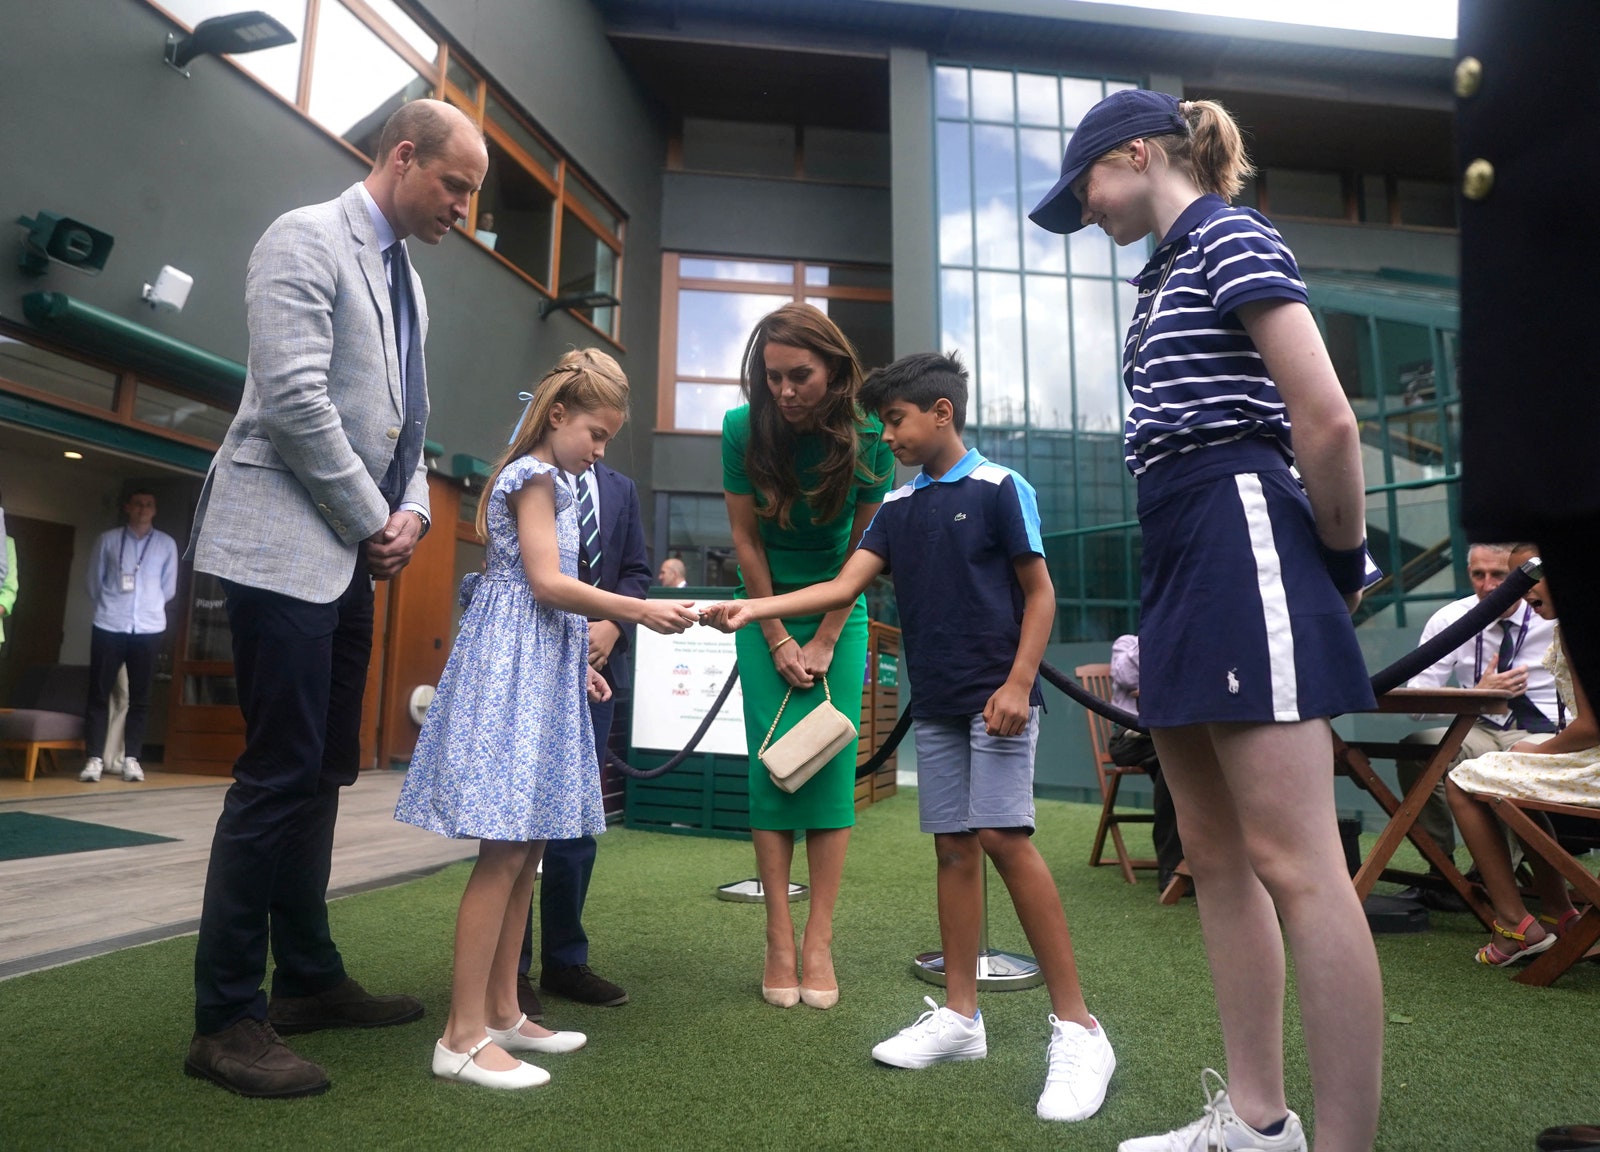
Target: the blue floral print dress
(507, 750)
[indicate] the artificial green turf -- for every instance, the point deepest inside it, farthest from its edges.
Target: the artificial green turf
(28, 834)
(90, 1054)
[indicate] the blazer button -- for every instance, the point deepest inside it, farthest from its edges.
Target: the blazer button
(393, 433)
(1478, 180)
(323, 508)
(1469, 77)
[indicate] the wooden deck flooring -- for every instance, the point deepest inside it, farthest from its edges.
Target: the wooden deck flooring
(56, 909)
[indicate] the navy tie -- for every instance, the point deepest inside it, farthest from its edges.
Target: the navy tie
(408, 350)
(588, 534)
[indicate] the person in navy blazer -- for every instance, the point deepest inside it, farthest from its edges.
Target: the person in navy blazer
(568, 864)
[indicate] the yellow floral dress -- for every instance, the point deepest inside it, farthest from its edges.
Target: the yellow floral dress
(1556, 778)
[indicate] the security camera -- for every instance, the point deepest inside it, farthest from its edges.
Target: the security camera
(171, 289)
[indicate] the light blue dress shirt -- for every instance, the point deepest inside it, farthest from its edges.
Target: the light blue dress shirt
(130, 580)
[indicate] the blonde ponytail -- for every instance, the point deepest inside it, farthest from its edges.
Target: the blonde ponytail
(1212, 152)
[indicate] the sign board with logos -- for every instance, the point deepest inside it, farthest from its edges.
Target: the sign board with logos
(675, 681)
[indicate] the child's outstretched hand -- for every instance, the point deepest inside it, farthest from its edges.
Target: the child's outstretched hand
(728, 616)
(599, 690)
(668, 616)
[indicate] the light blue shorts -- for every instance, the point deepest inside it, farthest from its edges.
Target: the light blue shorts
(968, 779)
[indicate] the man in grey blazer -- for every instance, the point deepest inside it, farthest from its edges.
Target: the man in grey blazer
(318, 489)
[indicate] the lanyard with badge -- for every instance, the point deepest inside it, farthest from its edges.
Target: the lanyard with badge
(129, 579)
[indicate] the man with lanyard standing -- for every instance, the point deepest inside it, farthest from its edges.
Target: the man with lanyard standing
(133, 572)
(1508, 654)
(612, 557)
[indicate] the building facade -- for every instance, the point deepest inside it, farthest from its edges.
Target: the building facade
(699, 161)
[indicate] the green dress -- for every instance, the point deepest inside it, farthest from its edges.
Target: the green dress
(806, 553)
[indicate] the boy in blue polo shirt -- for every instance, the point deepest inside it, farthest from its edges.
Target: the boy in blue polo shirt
(976, 605)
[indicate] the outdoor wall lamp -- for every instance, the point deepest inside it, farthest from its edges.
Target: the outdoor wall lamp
(225, 36)
(577, 300)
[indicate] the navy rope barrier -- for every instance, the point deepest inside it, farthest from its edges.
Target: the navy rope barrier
(1473, 621)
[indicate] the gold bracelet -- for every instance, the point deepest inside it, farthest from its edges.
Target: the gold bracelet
(779, 644)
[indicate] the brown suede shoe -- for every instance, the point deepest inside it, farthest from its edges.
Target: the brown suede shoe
(528, 999)
(348, 1005)
(580, 983)
(250, 1059)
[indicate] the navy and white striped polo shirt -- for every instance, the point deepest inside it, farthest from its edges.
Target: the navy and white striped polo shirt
(1199, 380)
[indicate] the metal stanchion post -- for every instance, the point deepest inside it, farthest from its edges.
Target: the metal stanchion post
(997, 971)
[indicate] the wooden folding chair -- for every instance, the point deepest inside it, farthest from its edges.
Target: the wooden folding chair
(1578, 941)
(1097, 679)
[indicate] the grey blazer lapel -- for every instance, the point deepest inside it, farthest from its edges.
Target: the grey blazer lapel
(370, 260)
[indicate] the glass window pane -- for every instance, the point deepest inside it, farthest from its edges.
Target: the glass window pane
(209, 636)
(215, 691)
(999, 375)
(278, 68)
(1119, 86)
(854, 157)
(713, 328)
(955, 315)
(757, 271)
(1077, 97)
(1296, 193)
(597, 207)
(410, 31)
(950, 92)
(734, 146)
(1132, 258)
(994, 163)
(518, 213)
(1095, 341)
(1424, 203)
(1091, 252)
(524, 139)
(991, 96)
(588, 264)
(849, 276)
(1040, 157)
(1049, 353)
(36, 368)
(955, 195)
(700, 407)
(1374, 200)
(357, 80)
(1038, 99)
(461, 78)
(157, 406)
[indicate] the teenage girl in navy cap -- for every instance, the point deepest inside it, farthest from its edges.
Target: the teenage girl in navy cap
(1249, 576)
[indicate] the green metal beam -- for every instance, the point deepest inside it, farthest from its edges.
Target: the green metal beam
(101, 433)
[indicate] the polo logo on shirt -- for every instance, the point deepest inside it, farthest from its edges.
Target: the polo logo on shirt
(1233, 682)
(961, 515)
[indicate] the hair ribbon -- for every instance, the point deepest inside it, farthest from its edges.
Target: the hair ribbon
(527, 399)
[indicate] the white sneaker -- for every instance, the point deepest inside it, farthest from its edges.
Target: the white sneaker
(1081, 1063)
(92, 767)
(131, 770)
(1219, 1129)
(937, 1036)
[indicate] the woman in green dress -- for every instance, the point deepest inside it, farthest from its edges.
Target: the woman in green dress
(803, 471)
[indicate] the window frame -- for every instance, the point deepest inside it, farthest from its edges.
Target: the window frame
(796, 290)
(437, 72)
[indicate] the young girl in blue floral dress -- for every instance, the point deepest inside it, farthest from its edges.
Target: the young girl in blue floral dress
(506, 754)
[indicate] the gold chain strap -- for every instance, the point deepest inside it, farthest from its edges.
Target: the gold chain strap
(784, 705)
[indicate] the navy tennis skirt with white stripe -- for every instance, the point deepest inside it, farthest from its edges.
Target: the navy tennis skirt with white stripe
(1240, 621)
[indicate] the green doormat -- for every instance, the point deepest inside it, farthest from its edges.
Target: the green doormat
(25, 834)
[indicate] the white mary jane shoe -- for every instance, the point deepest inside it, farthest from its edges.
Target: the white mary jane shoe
(513, 1040)
(452, 1065)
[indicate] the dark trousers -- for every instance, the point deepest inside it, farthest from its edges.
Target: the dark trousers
(564, 886)
(302, 671)
(1131, 749)
(109, 651)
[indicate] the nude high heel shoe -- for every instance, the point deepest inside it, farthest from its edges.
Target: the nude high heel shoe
(818, 998)
(778, 997)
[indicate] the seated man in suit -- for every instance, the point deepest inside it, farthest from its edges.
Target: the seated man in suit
(611, 555)
(1508, 654)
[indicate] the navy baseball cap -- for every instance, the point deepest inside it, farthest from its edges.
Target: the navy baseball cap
(1122, 116)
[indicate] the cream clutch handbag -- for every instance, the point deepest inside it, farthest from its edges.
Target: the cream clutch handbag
(807, 746)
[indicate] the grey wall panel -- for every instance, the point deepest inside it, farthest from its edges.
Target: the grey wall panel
(1366, 248)
(785, 219)
(687, 462)
(916, 282)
